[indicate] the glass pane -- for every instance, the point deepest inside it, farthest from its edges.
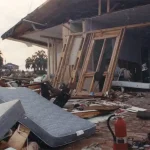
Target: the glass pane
(87, 83)
(100, 75)
(95, 55)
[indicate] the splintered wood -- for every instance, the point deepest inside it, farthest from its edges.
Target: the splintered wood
(77, 73)
(19, 137)
(87, 114)
(62, 62)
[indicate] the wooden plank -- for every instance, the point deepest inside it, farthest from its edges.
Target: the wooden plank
(98, 64)
(102, 108)
(62, 61)
(106, 34)
(113, 62)
(48, 60)
(83, 95)
(78, 60)
(85, 74)
(99, 7)
(141, 25)
(89, 74)
(85, 65)
(87, 114)
(19, 137)
(66, 60)
(60, 64)
(108, 6)
(55, 54)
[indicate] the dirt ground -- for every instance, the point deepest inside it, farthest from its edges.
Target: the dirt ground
(136, 128)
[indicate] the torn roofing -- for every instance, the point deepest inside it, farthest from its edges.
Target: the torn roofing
(55, 12)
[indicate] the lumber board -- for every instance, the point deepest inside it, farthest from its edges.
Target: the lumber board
(102, 108)
(84, 43)
(55, 55)
(106, 34)
(19, 137)
(98, 64)
(85, 65)
(84, 74)
(87, 114)
(89, 74)
(108, 6)
(62, 61)
(99, 7)
(141, 25)
(113, 62)
(66, 60)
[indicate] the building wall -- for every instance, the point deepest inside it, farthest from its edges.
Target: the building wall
(51, 62)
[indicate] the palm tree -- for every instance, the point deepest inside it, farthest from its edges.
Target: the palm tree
(41, 58)
(34, 63)
(28, 63)
(1, 60)
(37, 62)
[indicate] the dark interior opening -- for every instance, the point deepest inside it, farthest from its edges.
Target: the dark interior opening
(134, 58)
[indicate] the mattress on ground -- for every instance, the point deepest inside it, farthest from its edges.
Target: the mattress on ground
(51, 124)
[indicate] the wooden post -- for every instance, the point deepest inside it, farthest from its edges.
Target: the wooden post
(99, 7)
(108, 6)
(98, 64)
(55, 54)
(113, 62)
(83, 27)
(48, 59)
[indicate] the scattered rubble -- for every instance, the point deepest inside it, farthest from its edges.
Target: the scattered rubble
(67, 109)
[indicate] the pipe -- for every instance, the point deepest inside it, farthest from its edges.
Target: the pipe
(108, 125)
(36, 23)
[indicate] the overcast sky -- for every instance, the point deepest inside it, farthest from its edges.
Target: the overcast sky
(12, 11)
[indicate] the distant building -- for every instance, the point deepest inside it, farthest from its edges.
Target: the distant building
(11, 66)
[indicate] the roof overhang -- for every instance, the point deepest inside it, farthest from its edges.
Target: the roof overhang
(45, 22)
(53, 13)
(56, 12)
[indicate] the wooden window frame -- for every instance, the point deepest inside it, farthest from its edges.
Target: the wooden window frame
(118, 34)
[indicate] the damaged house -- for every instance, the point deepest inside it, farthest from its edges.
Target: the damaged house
(93, 45)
